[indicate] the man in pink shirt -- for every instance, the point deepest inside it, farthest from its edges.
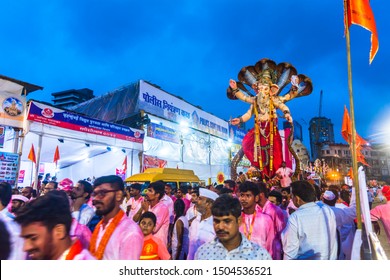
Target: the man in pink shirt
(153, 203)
(116, 236)
(46, 223)
(181, 194)
(277, 217)
(382, 213)
(256, 226)
(134, 203)
(284, 173)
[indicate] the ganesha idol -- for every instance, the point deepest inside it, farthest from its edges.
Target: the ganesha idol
(261, 87)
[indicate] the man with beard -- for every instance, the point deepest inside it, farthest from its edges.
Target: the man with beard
(116, 237)
(229, 244)
(201, 229)
(17, 202)
(80, 195)
(46, 223)
(134, 203)
(27, 192)
(256, 226)
(153, 203)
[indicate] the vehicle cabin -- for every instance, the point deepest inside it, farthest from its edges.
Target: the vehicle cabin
(176, 178)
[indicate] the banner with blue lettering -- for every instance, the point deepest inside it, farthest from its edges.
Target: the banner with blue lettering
(165, 105)
(53, 116)
(236, 134)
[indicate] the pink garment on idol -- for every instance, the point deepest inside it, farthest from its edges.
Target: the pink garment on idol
(80, 231)
(135, 205)
(279, 224)
(382, 213)
(125, 242)
(162, 225)
(263, 232)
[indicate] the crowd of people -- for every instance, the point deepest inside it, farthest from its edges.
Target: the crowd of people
(105, 220)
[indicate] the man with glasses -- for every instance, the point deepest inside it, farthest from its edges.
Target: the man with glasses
(116, 237)
(49, 187)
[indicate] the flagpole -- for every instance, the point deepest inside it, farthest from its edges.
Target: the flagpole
(36, 173)
(353, 140)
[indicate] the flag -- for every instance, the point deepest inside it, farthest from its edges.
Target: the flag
(124, 164)
(346, 129)
(350, 173)
(31, 154)
(346, 132)
(56, 155)
(359, 12)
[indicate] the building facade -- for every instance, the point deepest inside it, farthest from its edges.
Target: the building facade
(339, 159)
(68, 98)
(321, 132)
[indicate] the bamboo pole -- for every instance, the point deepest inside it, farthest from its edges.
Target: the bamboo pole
(352, 110)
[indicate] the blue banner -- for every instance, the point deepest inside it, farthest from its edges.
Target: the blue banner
(163, 133)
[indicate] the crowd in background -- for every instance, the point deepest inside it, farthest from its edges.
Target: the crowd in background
(104, 219)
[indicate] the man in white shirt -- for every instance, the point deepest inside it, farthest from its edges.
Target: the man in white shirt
(201, 229)
(311, 231)
(229, 244)
(12, 227)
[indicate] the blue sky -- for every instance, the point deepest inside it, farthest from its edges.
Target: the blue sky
(192, 49)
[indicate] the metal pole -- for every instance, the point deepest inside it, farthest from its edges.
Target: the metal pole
(209, 144)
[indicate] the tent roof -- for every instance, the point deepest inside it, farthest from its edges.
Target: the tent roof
(29, 87)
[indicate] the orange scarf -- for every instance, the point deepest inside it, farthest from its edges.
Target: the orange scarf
(245, 226)
(76, 249)
(98, 254)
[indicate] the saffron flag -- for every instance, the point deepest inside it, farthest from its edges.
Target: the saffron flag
(31, 154)
(346, 132)
(124, 164)
(359, 12)
(56, 155)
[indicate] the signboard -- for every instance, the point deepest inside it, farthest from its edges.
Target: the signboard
(22, 173)
(2, 135)
(12, 108)
(236, 134)
(8, 167)
(162, 133)
(165, 105)
(52, 116)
